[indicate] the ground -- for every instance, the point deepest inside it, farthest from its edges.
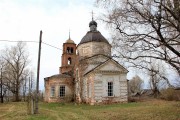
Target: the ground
(149, 110)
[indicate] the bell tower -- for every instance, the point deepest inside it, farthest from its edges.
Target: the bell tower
(68, 56)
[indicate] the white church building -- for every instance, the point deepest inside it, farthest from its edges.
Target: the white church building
(88, 73)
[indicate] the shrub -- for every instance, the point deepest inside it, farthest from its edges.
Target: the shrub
(170, 94)
(135, 99)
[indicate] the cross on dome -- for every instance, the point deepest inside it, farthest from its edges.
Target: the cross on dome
(93, 24)
(92, 15)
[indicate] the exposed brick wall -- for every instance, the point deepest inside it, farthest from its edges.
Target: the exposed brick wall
(65, 67)
(56, 82)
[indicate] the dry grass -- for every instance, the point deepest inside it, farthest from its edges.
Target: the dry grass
(149, 110)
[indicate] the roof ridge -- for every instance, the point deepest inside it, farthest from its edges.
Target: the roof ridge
(105, 62)
(95, 56)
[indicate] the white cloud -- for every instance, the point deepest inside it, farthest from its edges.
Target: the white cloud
(23, 20)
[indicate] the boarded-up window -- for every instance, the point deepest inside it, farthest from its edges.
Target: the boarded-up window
(62, 91)
(110, 88)
(52, 91)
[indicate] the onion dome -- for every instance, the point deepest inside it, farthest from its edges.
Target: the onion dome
(93, 23)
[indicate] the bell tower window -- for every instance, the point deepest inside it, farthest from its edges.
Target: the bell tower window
(71, 50)
(69, 61)
(68, 50)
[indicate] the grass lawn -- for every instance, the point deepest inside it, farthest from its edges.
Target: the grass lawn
(149, 110)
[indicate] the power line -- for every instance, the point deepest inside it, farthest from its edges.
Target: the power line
(17, 41)
(31, 41)
(51, 46)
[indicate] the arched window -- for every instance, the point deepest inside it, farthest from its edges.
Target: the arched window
(71, 50)
(68, 50)
(69, 61)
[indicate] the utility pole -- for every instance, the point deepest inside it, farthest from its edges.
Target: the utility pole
(38, 69)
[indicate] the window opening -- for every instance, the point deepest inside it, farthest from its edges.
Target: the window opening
(69, 61)
(68, 50)
(71, 50)
(110, 88)
(52, 91)
(62, 91)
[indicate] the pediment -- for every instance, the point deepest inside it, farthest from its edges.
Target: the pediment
(98, 59)
(111, 65)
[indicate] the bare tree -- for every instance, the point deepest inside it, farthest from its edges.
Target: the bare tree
(136, 84)
(3, 88)
(158, 78)
(144, 29)
(24, 84)
(16, 58)
(27, 83)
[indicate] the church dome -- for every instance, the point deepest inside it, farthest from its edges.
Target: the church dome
(95, 36)
(69, 41)
(93, 43)
(93, 23)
